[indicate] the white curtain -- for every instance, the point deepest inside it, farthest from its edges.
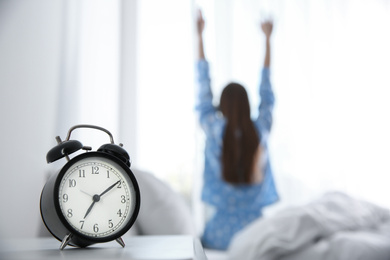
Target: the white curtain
(90, 63)
(128, 66)
(330, 63)
(165, 86)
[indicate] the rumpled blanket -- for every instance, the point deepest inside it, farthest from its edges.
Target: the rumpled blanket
(337, 226)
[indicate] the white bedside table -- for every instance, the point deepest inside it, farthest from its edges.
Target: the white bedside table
(137, 248)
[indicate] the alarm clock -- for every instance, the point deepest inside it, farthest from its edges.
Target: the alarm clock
(94, 198)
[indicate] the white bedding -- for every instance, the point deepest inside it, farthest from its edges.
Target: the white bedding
(215, 254)
(336, 227)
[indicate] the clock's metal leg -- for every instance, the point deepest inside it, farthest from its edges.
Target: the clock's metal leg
(65, 241)
(120, 241)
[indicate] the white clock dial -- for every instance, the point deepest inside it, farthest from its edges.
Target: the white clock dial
(96, 197)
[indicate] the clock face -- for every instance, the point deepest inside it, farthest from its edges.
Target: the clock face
(97, 197)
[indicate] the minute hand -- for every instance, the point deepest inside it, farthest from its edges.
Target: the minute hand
(96, 198)
(109, 188)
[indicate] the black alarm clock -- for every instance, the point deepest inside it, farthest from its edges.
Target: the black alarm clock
(94, 198)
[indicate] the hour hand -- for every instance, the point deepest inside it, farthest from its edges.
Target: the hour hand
(95, 198)
(89, 209)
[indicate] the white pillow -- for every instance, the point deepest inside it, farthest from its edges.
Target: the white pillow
(162, 211)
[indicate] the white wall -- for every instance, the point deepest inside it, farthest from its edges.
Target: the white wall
(30, 34)
(59, 67)
(128, 78)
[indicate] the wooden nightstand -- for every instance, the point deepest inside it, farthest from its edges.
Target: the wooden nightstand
(137, 248)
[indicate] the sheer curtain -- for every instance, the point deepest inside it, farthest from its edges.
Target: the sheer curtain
(128, 66)
(330, 63)
(165, 119)
(89, 77)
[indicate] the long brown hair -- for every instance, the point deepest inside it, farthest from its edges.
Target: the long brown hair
(240, 141)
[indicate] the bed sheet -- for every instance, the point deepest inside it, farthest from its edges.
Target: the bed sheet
(336, 227)
(215, 254)
(362, 245)
(354, 245)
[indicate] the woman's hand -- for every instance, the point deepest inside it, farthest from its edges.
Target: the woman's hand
(267, 28)
(200, 23)
(200, 28)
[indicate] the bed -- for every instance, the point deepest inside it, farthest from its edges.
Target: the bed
(334, 227)
(216, 254)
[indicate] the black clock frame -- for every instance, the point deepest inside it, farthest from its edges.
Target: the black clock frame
(55, 221)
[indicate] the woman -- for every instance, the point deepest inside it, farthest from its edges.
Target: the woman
(238, 180)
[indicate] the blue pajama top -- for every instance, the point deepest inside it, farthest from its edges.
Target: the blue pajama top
(235, 205)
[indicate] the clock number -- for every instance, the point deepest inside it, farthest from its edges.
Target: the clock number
(119, 185)
(108, 174)
(95, 228)
(123, 199)
(95, 169)
(72, 183)
(81, 173)
(65, 197)
(119, 213)
(82, 224)
(110, 224)
(70, 213)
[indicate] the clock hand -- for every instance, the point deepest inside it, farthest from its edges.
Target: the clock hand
(86, 193)
(89, 209)
(96, 197)
(109, 188)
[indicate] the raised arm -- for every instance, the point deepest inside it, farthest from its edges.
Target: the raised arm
(204, 96)
(267, 29)
(200, 28)
(267, 98)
